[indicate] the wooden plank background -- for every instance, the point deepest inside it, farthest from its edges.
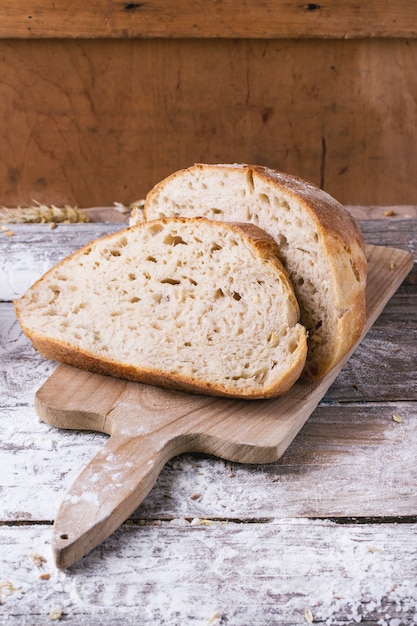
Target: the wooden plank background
(94, 122)
(101, 100)
(228, 18)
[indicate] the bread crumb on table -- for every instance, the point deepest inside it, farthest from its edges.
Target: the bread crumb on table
(38, 559)
(55, 614)
(6, 589)
(397, 418)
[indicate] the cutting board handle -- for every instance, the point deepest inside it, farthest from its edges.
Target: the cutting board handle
(107, 492)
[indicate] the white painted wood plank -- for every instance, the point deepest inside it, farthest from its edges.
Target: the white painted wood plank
(285, 572)
(22, 370)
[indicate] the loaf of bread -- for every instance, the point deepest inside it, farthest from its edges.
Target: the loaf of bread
(190, 304)
(319, 243)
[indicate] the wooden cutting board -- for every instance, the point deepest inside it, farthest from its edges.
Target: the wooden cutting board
(148, 426)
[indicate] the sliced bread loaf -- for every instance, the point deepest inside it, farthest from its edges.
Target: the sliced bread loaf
(190, 304)
(319, 243)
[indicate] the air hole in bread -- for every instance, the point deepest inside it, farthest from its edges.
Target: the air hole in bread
(249, 179)
(253, 217)
(174, 240)
(217, 211)
(151, 259)
(132, 276)
(134, 299)
(79, 307)
(281, 204)
(292, 346)
(282, 242)
(155, 229)
(264, 198)
(260, 376)
(215, 247)
(55, 293)
(218, 294)
(236, 296)
(115, 252)
(273, 339)
(170, 281)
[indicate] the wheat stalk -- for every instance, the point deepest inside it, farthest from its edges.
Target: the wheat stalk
(42, 214)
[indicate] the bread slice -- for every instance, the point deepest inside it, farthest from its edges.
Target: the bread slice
(190, 304)
(319, 243)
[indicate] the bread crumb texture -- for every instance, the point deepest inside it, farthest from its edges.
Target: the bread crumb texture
(188, 303)
(319, 243)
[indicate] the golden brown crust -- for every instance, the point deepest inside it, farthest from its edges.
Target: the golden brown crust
(57, 351)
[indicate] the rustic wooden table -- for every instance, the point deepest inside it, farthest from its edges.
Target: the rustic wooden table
(328, 534)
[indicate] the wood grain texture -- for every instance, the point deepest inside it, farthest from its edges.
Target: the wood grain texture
(229, 18)
(91, 122)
